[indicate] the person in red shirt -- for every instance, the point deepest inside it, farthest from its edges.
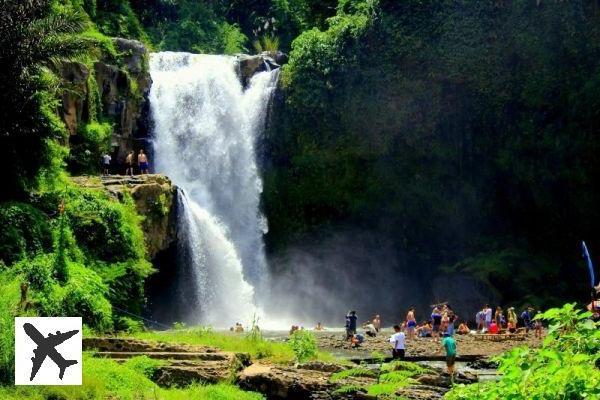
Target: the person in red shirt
(493, 328)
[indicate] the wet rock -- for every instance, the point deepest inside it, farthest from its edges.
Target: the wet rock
(443, 380)
(249, 65)
(322, 366)
(483, 363)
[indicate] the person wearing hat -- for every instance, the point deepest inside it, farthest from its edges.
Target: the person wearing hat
(449, 345)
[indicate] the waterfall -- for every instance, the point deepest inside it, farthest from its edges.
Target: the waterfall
(205, 129)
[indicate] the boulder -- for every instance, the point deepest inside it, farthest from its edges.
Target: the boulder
(249, 65)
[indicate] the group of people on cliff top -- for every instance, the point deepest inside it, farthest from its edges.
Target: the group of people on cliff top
(142, 163)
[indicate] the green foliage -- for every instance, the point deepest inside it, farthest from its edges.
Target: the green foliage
(9, 304)
(144, 365)
(107, 230)
(34, 37)
(88, 146)
(402, 117)
(24, 233)
(258, 349)
(564, 367)
(358, 371)
(304, 345)
(266, 43)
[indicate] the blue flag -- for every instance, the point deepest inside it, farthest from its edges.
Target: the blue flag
(588, 259)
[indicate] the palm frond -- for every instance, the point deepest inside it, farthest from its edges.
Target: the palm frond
(64, 23)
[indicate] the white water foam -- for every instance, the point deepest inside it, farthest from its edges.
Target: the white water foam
(205, 130)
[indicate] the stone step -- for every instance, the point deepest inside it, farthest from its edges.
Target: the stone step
(167, 355)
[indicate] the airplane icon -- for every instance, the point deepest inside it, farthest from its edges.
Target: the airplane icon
(46, 348)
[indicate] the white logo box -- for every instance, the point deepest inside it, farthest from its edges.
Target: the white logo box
(55, 343)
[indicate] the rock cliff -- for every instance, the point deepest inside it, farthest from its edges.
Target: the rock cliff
(111, 89)
(154, 199)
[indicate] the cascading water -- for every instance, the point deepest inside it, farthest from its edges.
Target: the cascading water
(205, 129)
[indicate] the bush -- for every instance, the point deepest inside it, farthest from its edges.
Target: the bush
(304, 345)
(9, 300)
(88, 146)
(106, 229)
(85, 295)
(25, 232)
(38, 272)
(564, 367)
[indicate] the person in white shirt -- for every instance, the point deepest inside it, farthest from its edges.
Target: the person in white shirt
(106, 159)
(398, 340)
(488, 316)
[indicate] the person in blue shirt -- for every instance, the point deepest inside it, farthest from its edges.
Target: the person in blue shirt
(526, 317)
(449, 345)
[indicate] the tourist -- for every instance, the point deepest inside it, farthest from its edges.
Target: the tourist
(499, 317)
(293, 329)
(377, 322)
(512, 320)
(398, 342)
(357, 340)
(370, 330)
(129, 163)
(351, 324)
(436, 321)
(106, 159)
(493, 328)
(445, 322)
(424, 330)
(480, 319)
(488, 316)
(450, 327)
(411, 323)
(238, 328)
(526, 317)
(319, 327)
(143, 162)
(463, 329)
(449, 345)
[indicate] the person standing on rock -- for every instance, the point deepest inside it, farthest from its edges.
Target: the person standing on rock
(488, 316)
(398, 340)
(106, 158)
(143, 162)
(411, 323)
(351, 319)
(129, 163)
(449, 345)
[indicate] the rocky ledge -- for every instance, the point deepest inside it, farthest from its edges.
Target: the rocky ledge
(182, 365)
(318, 380)
(154, 199)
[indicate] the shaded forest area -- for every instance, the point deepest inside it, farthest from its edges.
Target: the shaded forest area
(464, 132)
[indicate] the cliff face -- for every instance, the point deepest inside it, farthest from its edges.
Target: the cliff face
(111, 90)
(154, 199)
